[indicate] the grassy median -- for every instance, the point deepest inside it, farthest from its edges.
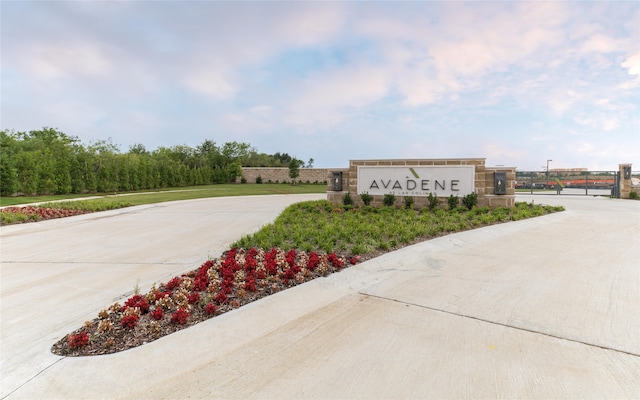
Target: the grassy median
(370, 231)
(173, 194)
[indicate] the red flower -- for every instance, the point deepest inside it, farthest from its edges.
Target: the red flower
(227, 286)
(221, 297)
(78, 340)
(138, 301)
(160, 295)
(38, 213)
(157, 314)
(201, 280)
(200, 284)
(271, 265)
(250, 285)
(335, 260)
(130, 321)
(180, 316)
(194, 297)
(230, 261)
(210, 308)
(289, 274)
(173, 283)
(250, 263)
(313, 262)
(291, 257)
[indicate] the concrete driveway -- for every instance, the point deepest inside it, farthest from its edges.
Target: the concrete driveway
(542, 308)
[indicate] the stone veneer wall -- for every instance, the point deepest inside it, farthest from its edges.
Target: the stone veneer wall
(484, 182)
(625, 184)
(281, 174)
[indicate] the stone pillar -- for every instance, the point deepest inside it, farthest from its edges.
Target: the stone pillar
(336, 197)
(625, 182)
(490, 198)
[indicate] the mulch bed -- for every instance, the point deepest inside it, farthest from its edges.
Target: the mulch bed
(245, 281)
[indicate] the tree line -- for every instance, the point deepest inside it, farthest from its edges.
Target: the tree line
(48, 161)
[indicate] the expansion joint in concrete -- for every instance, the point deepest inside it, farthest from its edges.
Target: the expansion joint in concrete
(33, 377)
(500, 324)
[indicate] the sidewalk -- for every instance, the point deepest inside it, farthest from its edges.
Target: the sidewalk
(541, 308)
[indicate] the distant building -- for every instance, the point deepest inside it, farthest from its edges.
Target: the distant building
(568, 170)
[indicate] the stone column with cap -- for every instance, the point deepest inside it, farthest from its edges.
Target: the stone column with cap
(625, 182)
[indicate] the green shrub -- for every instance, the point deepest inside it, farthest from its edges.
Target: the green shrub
(347, 200)
(243, 180)
(470, 200)
(452, 202)
(408, 202)
(371, 209)
(320, 226)
(433, 201)
(389, 199)
(258, 179)
(366, 198)
(88, 205)
(633, 195)
(12, 218)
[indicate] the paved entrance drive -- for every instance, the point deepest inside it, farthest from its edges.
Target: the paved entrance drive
(542, 308)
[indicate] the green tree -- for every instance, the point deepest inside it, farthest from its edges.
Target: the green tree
(27, 173)
(46, 173)
(62, 174)
(138, 148)
(284, 158)
(294, 169)
(49, 161)
(83, 178)
(8, 170)
(8, 177)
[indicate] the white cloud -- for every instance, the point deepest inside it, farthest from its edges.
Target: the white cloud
(598, 121)
(256, 120)
(441, 73)
(499, 154)
(209, 80)
(82, 115)
(308, 24)
(600, 43)
(328, 97)
(262, 111)
(49, 62)
(632, 63)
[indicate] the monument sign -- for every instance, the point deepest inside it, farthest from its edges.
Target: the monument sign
(418, 181)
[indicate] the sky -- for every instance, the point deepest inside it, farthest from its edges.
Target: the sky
(517, 83)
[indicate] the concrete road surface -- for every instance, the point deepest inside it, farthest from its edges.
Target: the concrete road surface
(543, 308)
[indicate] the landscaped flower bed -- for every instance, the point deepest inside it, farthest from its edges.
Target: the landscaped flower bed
(32, 213)
(220, 285)
(242, 276)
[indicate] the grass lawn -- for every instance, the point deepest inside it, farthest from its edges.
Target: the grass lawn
(173, 194)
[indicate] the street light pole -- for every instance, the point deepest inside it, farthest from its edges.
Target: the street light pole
(548, 172)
